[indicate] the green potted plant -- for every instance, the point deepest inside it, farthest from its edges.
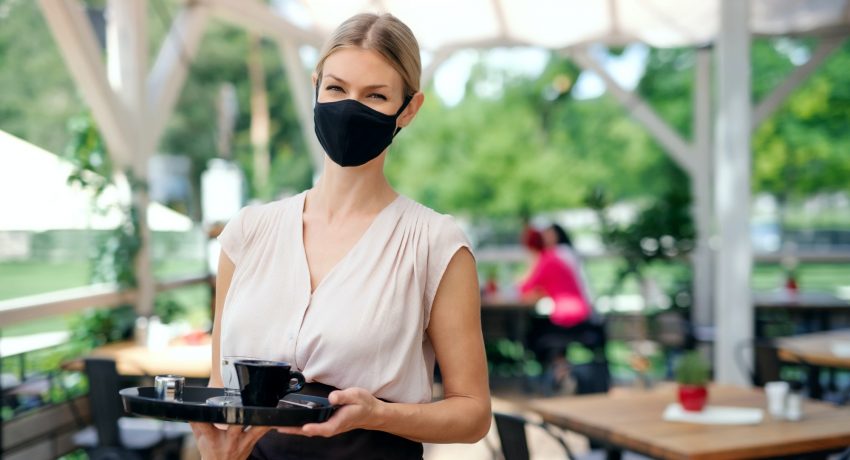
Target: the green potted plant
(692, 374)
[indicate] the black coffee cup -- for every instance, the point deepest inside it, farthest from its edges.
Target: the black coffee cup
(264, 383)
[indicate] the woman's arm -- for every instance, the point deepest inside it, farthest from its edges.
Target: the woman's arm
(455, 332)
(223, 442)
(222, 285)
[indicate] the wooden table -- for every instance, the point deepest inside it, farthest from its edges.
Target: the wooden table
(814, 308)
(816, 351)
(631, 420)
(190, 361)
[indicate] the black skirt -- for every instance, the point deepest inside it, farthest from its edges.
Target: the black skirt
(355, 444)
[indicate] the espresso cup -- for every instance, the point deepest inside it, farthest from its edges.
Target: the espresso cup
(264, 383)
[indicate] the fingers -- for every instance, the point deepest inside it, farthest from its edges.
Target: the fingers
(201, 429)
(251, 435)
(325, 429)
(295, 430)
(347, 396)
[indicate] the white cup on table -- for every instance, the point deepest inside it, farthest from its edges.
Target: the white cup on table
(777, 393)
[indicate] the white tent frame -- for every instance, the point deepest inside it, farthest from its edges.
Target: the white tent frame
(132, 107)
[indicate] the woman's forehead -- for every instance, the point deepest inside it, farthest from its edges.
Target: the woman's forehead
(361, 67)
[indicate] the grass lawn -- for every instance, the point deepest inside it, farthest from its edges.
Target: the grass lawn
(28, 278)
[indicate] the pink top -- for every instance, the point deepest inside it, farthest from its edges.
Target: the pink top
(365, 323)
(557, 280)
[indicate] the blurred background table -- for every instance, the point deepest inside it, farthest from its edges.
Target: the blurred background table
(630, 419)
(191, 361)
(807, 311)
(829, 349)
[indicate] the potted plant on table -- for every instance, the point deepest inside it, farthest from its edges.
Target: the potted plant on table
(692, 375)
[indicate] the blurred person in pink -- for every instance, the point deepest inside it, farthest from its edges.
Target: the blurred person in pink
(550, 276)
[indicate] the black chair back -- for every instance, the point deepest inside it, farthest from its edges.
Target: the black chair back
(512, 436)
(766, 363)
(511, 430)
(106, 407)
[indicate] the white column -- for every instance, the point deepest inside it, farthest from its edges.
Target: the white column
(701, 178)
(733, 267)
(127, 68)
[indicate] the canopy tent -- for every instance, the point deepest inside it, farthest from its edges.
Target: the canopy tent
(131, 105)
(37, 196)
(560, 24)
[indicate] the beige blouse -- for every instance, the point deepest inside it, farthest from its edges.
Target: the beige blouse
(364, 325)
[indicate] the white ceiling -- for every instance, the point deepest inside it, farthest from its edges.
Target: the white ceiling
(556, 24)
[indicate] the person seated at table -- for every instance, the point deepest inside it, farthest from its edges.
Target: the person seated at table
(557, 238)
(550, 276)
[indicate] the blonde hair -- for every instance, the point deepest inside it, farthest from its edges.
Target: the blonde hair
(385, 34)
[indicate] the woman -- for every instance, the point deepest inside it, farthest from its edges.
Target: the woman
(555, 237)
(361, 289)
(551, 277)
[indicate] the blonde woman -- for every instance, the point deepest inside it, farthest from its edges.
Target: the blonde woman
(359, 288)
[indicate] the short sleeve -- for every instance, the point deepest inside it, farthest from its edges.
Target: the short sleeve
(445, 238)
(233, 238)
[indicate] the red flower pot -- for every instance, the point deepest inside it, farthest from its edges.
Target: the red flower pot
(692, 398)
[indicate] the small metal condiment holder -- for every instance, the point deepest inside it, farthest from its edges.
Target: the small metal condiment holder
(169, 387)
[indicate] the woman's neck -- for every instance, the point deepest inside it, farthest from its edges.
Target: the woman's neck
(342, 192)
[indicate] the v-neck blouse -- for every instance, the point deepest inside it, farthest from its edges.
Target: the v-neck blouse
(365, 323)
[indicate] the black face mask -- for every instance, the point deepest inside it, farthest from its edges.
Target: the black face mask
(352, 133)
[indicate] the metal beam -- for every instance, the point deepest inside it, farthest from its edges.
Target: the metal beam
(76, 40)
(256, 16)
(172, 66)
(301, 86)
(732, 157)
(774, 100)
(701, 186)
(678, 148)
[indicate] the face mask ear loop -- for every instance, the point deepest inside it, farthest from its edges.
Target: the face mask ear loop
(407, 100)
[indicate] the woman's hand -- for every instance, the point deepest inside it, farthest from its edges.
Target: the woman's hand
(228, 444)
(359, 409)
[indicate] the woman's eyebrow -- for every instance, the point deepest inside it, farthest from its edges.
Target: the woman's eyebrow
(345, 82)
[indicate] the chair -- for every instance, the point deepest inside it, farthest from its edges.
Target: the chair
(766, 367)
(114, 436)
(511, 430)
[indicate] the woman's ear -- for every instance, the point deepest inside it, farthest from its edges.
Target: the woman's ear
(411, 110)
(315, 78)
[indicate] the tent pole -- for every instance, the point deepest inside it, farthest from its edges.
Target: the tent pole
(701, 190)
(733, 268)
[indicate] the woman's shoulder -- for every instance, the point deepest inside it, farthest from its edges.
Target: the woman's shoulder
(440, 227)
(257, 215)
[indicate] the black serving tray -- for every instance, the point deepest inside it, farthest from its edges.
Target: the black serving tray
(194, 408)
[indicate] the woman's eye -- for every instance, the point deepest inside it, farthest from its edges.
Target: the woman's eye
(378, 96)
(333, 88)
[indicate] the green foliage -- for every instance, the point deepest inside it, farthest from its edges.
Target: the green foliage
(529, 148)
(692, 369)
(37, 96)
(168, 309)
(191, 130)
(662, 232)
(115, 256)
(98, 326)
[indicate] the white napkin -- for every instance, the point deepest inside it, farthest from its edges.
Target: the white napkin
(715, 415)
